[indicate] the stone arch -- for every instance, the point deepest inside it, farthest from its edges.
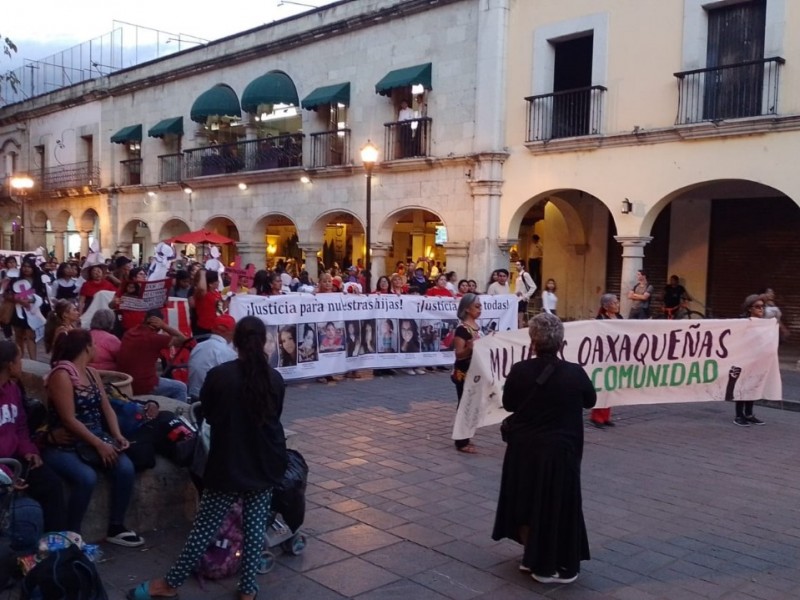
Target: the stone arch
(172, 227)
(225, 225)
(383, 233)
(276, 236)
(316, 231)
(136, 240)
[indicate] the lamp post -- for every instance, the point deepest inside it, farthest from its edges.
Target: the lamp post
(20, 184)
(369, 156)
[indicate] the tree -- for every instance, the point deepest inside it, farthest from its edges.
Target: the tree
(9, 48)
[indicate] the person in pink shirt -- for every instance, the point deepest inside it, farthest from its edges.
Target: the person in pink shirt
(106, 344)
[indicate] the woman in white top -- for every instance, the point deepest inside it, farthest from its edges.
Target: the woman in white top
(549, 298)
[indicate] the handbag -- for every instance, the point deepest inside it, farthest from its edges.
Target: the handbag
(89, 454)
(513, 424)
(131, 413)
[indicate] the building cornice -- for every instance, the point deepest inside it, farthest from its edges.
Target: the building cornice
(678, 133)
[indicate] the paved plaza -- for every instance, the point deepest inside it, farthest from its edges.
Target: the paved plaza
(679, 504)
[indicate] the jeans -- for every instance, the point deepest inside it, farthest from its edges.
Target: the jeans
(83, 478)
(171, 388)
(25, 524)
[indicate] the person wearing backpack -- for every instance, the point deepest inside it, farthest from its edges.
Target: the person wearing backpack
(242, 401)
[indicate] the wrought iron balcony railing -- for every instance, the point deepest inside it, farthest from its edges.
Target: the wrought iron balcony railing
(75, 179)
(568, 113)
(277, 152)
(330, 148)
(748, 89)
(408, 139)
(131, 171)
(170, 168)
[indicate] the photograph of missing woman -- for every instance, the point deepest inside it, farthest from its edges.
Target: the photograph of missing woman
(307, 349)
(429, 335)
(447, 334)
(352, 338)
(488, 326)
(409, 336)
(387, 336)
(331, 336)
(271, 347)
(287, 342)
(368, 336)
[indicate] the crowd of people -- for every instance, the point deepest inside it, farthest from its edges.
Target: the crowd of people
(541, 468)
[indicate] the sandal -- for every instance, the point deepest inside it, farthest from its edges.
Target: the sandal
(129, 539)
(468, 449)
(142, 592)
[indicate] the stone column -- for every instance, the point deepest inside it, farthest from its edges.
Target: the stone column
(418, 237)
(484, 253)
(60, 236)
(252, 252)
(37, 237)
(380, 251)
(109, 231)
(84, 235)
(310, 251)
(632, 257)
(456, 256)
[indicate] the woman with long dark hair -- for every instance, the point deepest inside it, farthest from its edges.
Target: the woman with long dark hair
(242, 402)
(29, 293)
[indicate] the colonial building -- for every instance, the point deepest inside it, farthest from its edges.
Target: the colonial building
(624, 134)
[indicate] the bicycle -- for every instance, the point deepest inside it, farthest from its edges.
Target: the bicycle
(682, 311)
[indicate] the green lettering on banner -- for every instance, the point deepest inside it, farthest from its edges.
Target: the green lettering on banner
(625, 379)
(610, 379)
(594, 379)
(694, 374)
(678, 374)
(653, 371)
(710, 371)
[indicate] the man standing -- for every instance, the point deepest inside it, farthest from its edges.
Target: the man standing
(140, 350)
(535, 253)
(500, 286)
(214, 351)
(640, 294)
(524, 287)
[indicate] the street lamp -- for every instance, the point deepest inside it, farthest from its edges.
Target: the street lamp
(20, 185)
(369, 156)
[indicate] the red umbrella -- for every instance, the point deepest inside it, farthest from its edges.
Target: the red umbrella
(202, 236)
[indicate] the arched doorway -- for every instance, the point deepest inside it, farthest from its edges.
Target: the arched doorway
(281, 241)
(88, 230)
(136, 241)
(417, 235)
(57, 236)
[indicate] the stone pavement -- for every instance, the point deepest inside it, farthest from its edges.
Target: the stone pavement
(679, 504)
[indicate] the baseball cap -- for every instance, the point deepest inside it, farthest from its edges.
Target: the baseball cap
(224, 324)
(121, 261)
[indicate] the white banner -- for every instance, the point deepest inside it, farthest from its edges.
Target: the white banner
(636, 362)
(313, 335)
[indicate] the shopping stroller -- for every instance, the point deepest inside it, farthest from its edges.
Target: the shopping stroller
(7, 554)
(288, 508)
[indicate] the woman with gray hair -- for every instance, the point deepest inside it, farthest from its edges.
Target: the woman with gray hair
(540, 491)
(106, 344)
(468, 330)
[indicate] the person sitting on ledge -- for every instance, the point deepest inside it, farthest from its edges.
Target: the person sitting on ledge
(139, 352)
(106, 344)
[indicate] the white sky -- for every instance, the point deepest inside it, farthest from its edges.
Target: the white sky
(50, 26)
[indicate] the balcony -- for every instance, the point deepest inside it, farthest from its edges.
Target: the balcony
(568, 113)
(131, 171)
(170, 168)
(748, 89)
(76, 179)
(408, 139)
(277, 152)
(330, 148)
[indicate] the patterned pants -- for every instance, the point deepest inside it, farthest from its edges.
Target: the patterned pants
(214, 506)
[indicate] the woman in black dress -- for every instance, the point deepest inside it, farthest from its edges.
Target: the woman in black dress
(540, 491)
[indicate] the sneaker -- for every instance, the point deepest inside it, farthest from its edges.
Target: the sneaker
(410, 372)
(421, 371)
(753, 420)
(555, 578)
(741, 422)
(524, 569)
(129, 539)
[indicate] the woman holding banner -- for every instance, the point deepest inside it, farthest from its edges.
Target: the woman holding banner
(468, 330)
(609, 309)
(540, 491)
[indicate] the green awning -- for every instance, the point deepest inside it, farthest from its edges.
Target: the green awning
(418, 75)
(132, 133)
(219, 101)
(330, 94)
(172, 126)
(273, 88)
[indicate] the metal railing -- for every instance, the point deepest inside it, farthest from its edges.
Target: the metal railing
(330, 148)
(277, 152)
(170, 168)
(747, 89)
(84, 176)
(569, 113)
(408, 139)
(131, 171)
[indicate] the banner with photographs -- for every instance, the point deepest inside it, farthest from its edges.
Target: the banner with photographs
(325, 334)
(144, 295)
(636, 362)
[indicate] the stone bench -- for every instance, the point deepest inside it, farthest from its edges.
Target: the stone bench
(163, 496)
